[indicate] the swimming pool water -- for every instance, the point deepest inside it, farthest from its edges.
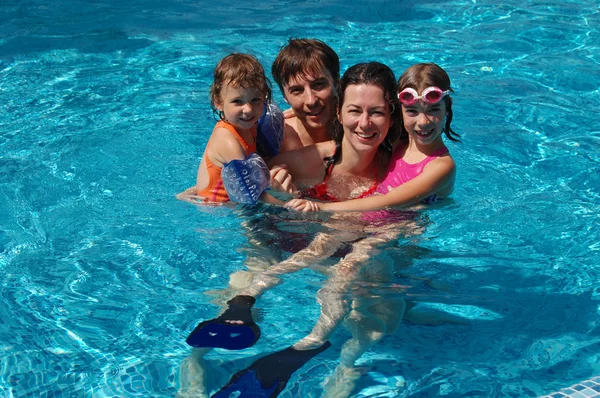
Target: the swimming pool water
(104, 115)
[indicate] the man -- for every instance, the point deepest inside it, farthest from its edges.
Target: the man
(307, 72)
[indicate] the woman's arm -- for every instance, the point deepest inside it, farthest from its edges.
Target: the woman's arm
(437, 176)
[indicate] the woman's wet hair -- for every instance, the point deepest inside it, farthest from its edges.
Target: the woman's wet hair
(241, 71)
(371, 73)
(301, 58)
(423, 75)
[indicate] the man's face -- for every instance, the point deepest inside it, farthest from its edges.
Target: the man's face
(311, 98)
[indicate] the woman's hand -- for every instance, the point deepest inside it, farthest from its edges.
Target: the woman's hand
(281, 180)
(302, 205)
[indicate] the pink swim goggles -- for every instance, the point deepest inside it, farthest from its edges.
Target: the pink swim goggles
(431, 95)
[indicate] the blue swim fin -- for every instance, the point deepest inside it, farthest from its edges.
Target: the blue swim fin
(269, 375)
(217, 333)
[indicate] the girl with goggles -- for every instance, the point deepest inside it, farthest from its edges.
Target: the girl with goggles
(421, 168)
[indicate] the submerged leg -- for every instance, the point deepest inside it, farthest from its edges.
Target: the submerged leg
(323, 246)
(333, 296)
(334, 307)
(192, 375)
(367, 330)
(419, 315)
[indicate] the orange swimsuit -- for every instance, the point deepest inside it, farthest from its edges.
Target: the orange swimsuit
(215, 191)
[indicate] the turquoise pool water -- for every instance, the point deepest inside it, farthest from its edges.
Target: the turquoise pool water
(103, 118)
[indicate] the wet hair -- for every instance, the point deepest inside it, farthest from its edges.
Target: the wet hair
(423, 75)
(238, 70)
(304, 57)
(376, 74)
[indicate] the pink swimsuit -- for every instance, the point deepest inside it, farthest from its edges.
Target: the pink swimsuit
(399, 171)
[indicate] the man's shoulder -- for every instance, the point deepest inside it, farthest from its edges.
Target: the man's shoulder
(326, 148)
(291, 125)
(291, 135)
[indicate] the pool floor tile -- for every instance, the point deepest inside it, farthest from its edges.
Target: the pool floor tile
(585, 389)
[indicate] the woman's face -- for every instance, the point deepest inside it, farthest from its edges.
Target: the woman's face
(365, 116)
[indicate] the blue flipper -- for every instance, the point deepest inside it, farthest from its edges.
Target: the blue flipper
(217, 333)
(269, 375)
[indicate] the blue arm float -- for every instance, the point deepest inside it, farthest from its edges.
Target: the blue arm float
(270, 131)
(245, 180)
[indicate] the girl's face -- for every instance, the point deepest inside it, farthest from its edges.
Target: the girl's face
(365, 116)
(424, 122)
(242, 107)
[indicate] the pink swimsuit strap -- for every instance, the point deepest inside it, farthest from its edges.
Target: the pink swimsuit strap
(435, 154)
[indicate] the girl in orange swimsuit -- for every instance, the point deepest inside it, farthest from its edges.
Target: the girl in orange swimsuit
(238, 95)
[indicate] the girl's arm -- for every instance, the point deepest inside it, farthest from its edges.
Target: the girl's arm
(190, 195)
(222, 147)
(225, 147)
(437, 176)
